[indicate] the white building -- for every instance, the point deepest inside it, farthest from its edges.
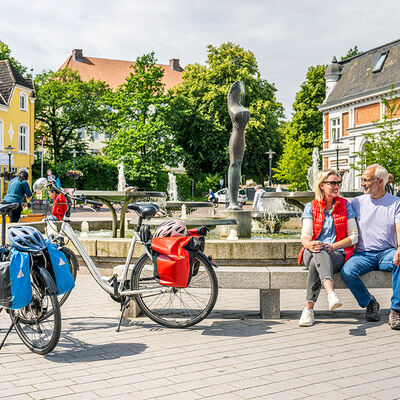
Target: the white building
(352, 107)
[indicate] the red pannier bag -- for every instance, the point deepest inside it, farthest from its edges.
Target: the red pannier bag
(173, 259)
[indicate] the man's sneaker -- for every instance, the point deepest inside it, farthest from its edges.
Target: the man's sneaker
(394, 319)
(307, 317)
(334, 301)
(372, 312)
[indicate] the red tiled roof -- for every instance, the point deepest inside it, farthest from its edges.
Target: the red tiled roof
(114, 72)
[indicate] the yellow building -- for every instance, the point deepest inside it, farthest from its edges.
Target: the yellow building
(17, 110)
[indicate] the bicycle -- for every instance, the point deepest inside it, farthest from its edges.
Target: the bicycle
(169, 306)
(38, 324)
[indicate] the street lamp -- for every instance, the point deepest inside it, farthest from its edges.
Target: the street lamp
(9, 149)
(270, 154)
(74, 153)
(41, 163)
(337, 142)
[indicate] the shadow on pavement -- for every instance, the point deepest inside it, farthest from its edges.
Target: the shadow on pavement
(71, 350)
(238, 328)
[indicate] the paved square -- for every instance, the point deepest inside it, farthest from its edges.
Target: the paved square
(231, 355)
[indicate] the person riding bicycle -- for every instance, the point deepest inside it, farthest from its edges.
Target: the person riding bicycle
(211, 196)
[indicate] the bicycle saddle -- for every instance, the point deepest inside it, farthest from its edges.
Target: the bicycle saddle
(144, 210)
(5, 208)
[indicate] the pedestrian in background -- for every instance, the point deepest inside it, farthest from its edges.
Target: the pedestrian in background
(18, 189)
(389, 184)
(258, 204)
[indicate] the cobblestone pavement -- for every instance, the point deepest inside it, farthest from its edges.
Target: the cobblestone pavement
(231, 355)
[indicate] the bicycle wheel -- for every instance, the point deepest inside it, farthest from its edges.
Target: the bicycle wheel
(179, 307)
(38, 328)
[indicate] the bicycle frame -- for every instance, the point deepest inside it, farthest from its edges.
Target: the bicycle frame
(66, 230)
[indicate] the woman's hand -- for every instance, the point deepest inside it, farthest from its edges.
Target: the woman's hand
(329, 247)
(314, 246)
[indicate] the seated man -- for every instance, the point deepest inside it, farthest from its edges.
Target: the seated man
(59, 206)
(378, 248)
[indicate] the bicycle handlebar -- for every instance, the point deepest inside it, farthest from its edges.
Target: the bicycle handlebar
(81, 198)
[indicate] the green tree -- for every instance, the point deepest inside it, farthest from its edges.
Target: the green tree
(204, 126)
(293, 165)
(384, 147)
(304, 131)
(98, 173)
(141, 136)
(64, 104)
(5, 54)
(351, 53)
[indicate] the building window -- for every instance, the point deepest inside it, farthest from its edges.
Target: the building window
(81, 132)
(335, 129)
(23, 103)
(23, 138)
(379, 64)
(94, 134)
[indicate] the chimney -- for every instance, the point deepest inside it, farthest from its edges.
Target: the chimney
(78, 54)
(174, 64)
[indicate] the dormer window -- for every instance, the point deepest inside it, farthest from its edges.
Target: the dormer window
(23, 103)
(379, 64)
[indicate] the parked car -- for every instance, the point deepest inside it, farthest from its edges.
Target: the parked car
(221, 196)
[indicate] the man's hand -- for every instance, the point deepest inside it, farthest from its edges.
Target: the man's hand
(315, 246)
(396, 258)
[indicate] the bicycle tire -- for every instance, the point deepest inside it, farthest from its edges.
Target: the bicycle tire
(169, 309)
(73, 268)
(37, 330)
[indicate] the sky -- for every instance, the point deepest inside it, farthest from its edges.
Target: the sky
(286, 36)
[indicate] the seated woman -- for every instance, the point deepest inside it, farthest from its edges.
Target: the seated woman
(59, 206)
(329, 231)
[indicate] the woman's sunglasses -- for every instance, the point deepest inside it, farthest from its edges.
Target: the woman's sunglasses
(333, 183)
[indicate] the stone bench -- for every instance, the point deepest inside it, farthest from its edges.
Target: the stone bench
(270, 280)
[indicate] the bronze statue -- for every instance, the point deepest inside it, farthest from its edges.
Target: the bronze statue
(240, 117)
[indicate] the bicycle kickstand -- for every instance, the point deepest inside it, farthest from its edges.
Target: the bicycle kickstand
(8, 332)
(124, 303)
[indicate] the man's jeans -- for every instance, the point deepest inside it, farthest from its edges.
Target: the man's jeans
(367, 261)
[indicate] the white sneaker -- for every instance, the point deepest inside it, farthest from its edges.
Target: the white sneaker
(334, 301)
(307, 317)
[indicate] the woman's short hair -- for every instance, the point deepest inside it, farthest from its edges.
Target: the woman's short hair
(380, 172)
(321, 177)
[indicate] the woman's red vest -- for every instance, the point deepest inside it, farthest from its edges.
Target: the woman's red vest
(339, 215)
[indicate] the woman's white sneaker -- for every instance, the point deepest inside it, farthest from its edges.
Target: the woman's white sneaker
(307, 317)
(334, 301)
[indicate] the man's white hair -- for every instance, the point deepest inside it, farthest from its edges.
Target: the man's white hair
(380, 172)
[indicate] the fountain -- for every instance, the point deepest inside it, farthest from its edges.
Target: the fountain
(276, 213)
(84, 229)
(121, 177)
(172, 187)
(314, 169)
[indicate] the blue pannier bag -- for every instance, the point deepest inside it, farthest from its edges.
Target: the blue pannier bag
(15, 281)
(59, 269)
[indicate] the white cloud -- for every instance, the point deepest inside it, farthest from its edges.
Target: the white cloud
(286, 36)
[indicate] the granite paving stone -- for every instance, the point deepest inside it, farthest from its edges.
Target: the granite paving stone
(231, 355)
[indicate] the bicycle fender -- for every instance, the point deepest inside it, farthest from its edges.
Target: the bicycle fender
(48, 280)
(209, 258)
